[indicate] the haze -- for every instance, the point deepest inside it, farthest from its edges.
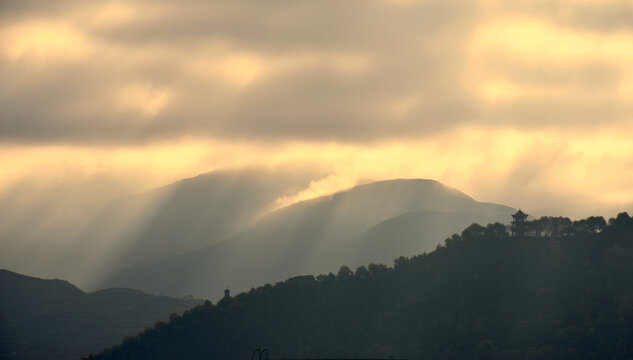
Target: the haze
(524, 103)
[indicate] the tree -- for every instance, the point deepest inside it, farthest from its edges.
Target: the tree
(344, 272)
(474, 231)
(362, 272)
(378, 269)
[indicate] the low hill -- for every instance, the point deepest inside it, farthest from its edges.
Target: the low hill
(53, 319)
(317, 236)
(562, 290)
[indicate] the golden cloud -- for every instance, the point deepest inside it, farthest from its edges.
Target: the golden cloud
(145, 99)
(534, 43)
(43, 41)
(567, 163)
(472, 95)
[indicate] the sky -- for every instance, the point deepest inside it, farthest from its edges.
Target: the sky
(523, 103)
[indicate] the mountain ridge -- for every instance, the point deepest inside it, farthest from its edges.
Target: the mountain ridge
(33, 310)
(308, 236)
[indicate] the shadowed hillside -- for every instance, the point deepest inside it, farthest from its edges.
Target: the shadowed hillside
(562, 290)
(317, 236)
(53, 319)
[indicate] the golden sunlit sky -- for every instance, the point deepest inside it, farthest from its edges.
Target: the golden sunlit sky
(523, 103)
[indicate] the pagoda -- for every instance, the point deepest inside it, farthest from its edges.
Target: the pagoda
(518, 224)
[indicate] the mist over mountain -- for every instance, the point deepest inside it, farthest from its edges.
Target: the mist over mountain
(183, 216)
(53, 319)
(199, 211)
(413, 233)
(318, 236)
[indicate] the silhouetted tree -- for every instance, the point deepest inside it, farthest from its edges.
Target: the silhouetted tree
(344, 272)
(362, 272)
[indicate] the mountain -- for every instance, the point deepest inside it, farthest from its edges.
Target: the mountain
(183, 216)
(484, 294)
(414, 233)
(53, 319)
(318, 236)
(206, 209)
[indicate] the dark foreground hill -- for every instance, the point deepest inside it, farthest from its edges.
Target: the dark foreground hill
(372, 222)
(562, 291)
(53, 319)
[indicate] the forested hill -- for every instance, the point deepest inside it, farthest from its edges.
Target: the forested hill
(54, 320)
(561, 290)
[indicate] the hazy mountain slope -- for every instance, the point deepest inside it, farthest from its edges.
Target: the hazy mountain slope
(196, 212)
(211, 207)
(184, 216)
(53, 319)
(309, 237)
(414, 233)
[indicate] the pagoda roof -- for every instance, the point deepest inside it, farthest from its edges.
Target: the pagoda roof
(520, 214)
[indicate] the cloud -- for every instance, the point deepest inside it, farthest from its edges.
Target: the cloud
(126, 72)
(99, 79)
(600, 16)
(359, 71)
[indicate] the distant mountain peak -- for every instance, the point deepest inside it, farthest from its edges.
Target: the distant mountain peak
(384, 192)
(318, 235)
(426, 184)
